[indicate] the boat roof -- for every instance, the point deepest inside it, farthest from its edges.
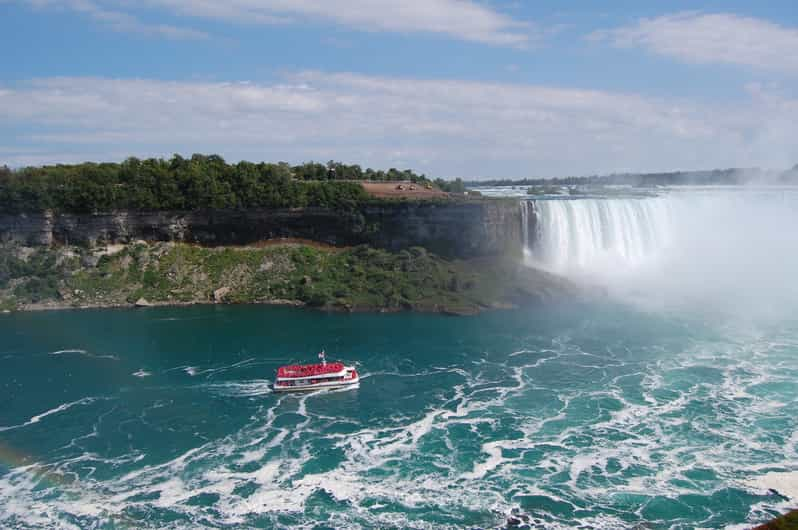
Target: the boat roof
(309, 370)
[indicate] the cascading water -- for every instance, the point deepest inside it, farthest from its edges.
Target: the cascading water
(525, 220)
(587, 236)
(716, 249)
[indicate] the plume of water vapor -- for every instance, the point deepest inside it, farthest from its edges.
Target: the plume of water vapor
(729, 250)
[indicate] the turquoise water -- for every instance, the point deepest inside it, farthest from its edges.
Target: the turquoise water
(593, 416)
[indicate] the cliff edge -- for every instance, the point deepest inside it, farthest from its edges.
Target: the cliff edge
(451, 228)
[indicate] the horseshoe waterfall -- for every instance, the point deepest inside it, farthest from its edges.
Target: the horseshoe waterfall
(586, 235)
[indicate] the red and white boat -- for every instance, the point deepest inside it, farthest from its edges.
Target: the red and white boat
(307, 377)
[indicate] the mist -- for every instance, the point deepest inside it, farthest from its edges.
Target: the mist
(717, 250)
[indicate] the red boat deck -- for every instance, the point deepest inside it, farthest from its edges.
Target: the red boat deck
(309, 370)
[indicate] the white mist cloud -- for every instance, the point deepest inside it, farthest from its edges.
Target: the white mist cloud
(443, 127)
(713, 38)
(730, 252)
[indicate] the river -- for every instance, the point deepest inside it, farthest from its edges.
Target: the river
(665, 410)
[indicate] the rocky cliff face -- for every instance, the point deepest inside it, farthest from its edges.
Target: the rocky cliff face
(468, 229)
(457, 229)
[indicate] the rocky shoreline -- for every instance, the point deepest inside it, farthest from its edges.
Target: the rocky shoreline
(788, 521)
(441, 309)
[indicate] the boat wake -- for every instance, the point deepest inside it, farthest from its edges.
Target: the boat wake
(243, 389)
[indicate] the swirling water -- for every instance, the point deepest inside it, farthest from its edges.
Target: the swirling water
(593, 415)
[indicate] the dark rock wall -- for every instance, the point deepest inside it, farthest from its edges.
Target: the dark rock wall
(457, 229)
(487, 227)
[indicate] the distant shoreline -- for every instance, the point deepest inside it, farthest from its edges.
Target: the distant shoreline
(443, 310)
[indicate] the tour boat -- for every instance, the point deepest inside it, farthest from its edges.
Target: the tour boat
(306, 377)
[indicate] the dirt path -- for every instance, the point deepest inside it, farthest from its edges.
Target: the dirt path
(402, 189)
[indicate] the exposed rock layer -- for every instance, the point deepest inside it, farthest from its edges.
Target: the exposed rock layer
(456, 229)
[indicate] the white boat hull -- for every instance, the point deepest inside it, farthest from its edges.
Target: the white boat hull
(328, 385)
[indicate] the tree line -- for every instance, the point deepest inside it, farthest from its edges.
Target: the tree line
(202, 181)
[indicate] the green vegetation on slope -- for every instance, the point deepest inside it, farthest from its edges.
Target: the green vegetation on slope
(359, 278)
(41, 270)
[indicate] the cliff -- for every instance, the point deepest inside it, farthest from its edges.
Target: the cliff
(453, 229)
(463, 229)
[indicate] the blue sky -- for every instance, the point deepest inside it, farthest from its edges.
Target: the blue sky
(448, 87)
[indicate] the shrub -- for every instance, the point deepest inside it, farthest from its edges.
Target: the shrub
(38, 289)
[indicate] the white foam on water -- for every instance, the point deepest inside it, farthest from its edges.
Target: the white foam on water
(60, 408)
(62, 352)
(241, 389)
(240, 364)
(495, 458)
(257, 455)
(785, 483)
(84, 353)
(598, 522)
(141, 373)
(410, 463)
(792, 445)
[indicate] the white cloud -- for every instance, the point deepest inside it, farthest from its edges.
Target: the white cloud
(713, 38)
(461, 19)
(119, 20)
(442, 127)
(458, 19)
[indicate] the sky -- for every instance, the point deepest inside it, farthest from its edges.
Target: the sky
(450, 88)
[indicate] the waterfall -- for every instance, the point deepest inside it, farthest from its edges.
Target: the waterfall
(525, 220)
(715, 248)
(593, 235)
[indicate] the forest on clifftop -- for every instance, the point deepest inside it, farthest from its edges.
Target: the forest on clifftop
(202, 181)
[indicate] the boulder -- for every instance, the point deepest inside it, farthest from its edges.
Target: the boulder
(142, 302)
(219, 294)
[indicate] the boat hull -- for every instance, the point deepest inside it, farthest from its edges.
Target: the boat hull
(331, 385)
